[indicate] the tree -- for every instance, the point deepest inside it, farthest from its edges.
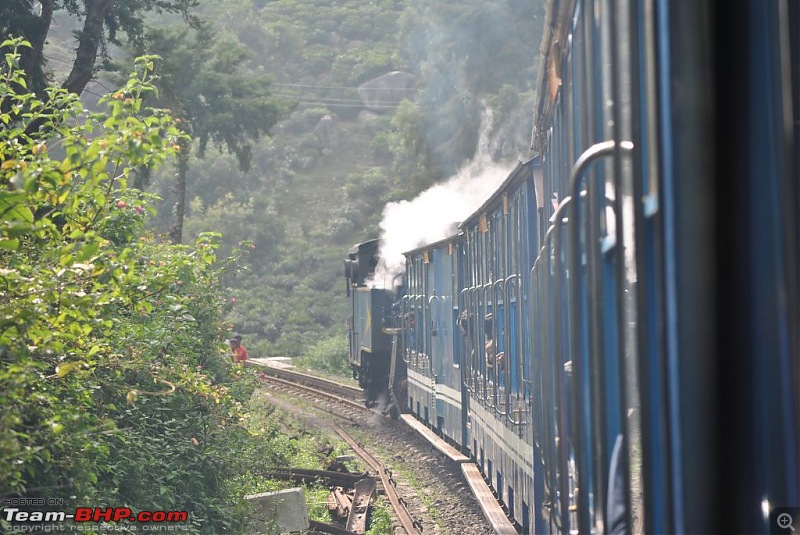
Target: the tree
(214, 98)
(103, 20)
(114, 386)
(18, 18)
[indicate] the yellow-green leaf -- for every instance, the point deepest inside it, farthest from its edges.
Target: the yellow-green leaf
(87, 251)
(65, 367)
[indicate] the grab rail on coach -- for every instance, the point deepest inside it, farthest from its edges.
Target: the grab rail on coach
(549, 351)
(578, 173)
(517, 410)
(467, 348)
(404, 309)
(432, 331)
(486, 294)
(499, 387)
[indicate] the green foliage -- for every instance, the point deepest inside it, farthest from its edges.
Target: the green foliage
(201, 77)
(283, 441)
(328, 356)
(380, 520)
(101, 21)
(303, 39)
(370, 184)
(318, 58)
(312, 200)
(304, 120)
(114, 386)
(236, 217)
(361, 63)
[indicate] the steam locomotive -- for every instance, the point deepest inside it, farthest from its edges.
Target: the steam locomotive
(614, 335)
(370, 330)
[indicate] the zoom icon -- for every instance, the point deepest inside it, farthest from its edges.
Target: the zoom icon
(784, 520)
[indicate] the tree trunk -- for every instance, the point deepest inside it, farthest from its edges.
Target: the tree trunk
(141, 178)
(88, 45)
(176, 232)
(33, 58)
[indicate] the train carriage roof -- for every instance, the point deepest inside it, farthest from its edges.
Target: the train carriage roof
(433, 245)
(548, 79)
(515, 177)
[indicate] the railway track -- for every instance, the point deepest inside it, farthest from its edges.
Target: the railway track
(316, 383)
(343, 395)
(285, 380)
(449, 495)
(409, 523)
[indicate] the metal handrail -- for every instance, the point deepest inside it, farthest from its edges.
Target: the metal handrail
(466, 358)
(403, 311)
(542, 265)
(591, 155)
(577, 177)
(499, 283)
(518, 398)
(488, 400)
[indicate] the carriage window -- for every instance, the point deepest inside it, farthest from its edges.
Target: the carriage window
(515, 238)
(489, 245)
(500, 243)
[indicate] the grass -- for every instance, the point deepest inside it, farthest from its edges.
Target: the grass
(298, 446)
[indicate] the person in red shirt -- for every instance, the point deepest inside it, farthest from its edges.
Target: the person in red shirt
(238, 352)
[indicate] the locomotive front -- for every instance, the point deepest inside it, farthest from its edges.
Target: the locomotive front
(369, 326)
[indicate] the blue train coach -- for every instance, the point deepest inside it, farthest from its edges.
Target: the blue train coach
(665, 327)
(430, 310)
(613, 337)
(499, 243)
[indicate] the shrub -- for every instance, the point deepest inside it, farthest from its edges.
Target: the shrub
(328, 355)
(114, 385)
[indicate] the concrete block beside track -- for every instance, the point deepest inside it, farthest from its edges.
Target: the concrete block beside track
(284, 510)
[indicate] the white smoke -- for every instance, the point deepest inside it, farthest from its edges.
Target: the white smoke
(435, 213)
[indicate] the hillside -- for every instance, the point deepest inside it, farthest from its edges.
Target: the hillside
(320, 182)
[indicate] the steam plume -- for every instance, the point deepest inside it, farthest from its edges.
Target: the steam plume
(436, 212)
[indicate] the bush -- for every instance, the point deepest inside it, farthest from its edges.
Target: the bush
(115, 388)
(328, 355)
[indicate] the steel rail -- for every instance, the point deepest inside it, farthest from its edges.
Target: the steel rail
(312, 390)
(311, 380)
(411, 525)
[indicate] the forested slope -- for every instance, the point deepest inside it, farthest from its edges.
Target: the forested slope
(320, 182)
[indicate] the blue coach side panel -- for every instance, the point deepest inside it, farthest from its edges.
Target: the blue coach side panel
(434, 362)
(416, 339)
(665, 305)
(500, 243)
(443, 306)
